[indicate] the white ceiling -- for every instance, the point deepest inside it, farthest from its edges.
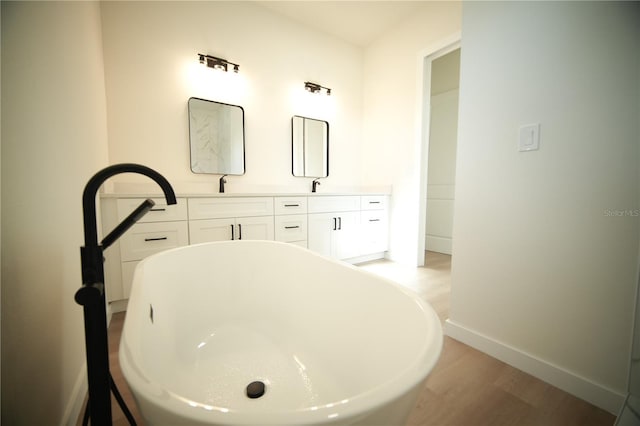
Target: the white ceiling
(358, 22)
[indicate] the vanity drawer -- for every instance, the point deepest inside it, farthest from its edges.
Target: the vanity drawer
(374, 229)
(373, 202)
(335, 203)
(290, 205)
(291, 228)
(218, 208)
(161, 212)
(144, 239)
(374, 218)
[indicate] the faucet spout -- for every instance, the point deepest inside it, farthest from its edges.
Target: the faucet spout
(314, 185)
(91, 190)
(92, 271)
(221, 185)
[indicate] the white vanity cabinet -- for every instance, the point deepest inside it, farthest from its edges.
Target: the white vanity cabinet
(162, 228)
(334, 226)
(374, 224)
(349, 227)
(237, 218)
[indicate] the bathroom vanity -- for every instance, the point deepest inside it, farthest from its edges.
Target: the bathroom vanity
(353, 227)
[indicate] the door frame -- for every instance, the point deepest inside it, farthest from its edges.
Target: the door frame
(425, 59)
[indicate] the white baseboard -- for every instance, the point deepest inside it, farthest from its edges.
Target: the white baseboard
(438, 244)
(365, 258)
(583, 388)
(78, 395)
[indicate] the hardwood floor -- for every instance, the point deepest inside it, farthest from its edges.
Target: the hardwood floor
(469, 388)
(466, 388)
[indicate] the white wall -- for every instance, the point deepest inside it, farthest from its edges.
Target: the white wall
(546, 242)
(392, 125)
(152, 69)
(53, 140)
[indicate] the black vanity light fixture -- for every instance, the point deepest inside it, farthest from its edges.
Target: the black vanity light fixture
(217, 63)
(315, 88)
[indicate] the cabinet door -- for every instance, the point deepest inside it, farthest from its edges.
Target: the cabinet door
(203, 231)
(320, 229)
(254, 228)
(346, 241)
(334, 234)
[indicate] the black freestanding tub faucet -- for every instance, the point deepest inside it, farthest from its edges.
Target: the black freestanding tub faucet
(92, 294)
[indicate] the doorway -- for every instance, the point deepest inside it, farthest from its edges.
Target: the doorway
(441, 78)
(443, 136)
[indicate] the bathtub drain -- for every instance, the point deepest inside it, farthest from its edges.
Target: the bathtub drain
(255, 389)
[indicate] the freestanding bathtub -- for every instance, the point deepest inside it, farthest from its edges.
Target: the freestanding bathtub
(325, 342)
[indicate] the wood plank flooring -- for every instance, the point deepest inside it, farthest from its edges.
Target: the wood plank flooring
(466, 388)
(469, 388)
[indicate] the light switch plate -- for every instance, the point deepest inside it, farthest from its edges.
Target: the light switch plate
(529, 138)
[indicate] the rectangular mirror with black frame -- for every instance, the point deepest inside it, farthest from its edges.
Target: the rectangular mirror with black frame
(310, 147)
(216, 137)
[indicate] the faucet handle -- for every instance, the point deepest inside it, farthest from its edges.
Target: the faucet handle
(133, 217)
(90, 294)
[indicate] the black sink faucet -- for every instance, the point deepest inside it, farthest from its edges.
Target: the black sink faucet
(314, 185)
(221, 185)
(92, 295)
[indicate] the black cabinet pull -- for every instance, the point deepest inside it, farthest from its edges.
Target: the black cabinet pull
(155, 239)
(239, 231)
(374, 220)
(292, 205)
(158, 210)
(335, 224)
(374, 202)
(291, 227)
(339, 223)
(232, 234)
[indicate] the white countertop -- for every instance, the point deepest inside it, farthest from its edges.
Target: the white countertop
(235, 194)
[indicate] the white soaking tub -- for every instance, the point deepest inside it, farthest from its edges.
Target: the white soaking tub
(327, 342)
